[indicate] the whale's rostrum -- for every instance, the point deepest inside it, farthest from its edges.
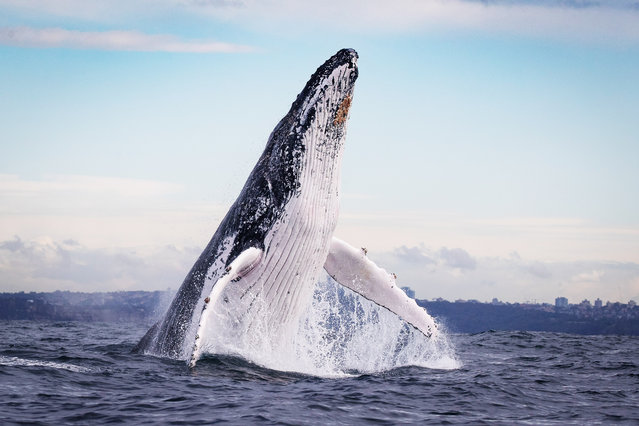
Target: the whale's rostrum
(261, 265)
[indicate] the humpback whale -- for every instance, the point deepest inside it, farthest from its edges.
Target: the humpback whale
(262, 264)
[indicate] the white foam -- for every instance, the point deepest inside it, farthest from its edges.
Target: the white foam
(339, 334)
(23, 362)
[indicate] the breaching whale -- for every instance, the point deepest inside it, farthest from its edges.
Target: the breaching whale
(268, 252)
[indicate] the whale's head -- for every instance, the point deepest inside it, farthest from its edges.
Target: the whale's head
(310, 138)
(324, 103)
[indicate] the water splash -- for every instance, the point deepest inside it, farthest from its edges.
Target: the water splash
(339, 333)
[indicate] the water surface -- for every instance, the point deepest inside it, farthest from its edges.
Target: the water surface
(63, 373)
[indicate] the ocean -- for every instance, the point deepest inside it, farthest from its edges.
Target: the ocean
(85, 373)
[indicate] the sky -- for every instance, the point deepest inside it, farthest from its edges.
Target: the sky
(492, 146)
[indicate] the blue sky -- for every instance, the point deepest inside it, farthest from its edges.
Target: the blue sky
(491, 152)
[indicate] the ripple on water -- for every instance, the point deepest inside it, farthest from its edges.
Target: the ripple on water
(552, 378)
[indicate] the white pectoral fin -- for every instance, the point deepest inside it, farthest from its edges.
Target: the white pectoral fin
(240, 267)
(351, 268)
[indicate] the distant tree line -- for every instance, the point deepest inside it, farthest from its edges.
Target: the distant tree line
(73, 306)
(457, 317)
(475, 317)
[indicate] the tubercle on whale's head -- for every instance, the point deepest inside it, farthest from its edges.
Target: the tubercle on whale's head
(344, 60)
(326, 97)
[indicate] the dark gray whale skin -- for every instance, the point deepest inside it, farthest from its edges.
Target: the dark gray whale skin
(272, 183)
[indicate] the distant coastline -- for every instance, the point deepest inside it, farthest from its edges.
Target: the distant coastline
(475, 317)
(121, 306)
(457, 317)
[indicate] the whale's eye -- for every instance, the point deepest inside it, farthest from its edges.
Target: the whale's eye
(342, 111)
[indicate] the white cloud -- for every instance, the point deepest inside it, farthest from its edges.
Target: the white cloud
(48, 265)
(592, 276)
(538, 269)
(103, 211)
(110, 40)
(539, 238)
(100, 233)
(457, 258)
(573, 4)
(616, 21)
(512, 278)
(415, 255)
(76, 195)
(14, 185)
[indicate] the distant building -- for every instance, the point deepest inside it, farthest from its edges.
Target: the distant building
(561, 302)
(496, 301)
(598, 303)
(632, 303)
(585, 303)
(409, 292)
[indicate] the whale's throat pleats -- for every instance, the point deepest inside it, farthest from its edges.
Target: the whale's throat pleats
(274, 294)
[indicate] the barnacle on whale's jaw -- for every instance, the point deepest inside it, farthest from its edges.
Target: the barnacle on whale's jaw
(342, 111)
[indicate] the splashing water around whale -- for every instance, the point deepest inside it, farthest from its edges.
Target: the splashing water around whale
(254, 289)
(339, 333)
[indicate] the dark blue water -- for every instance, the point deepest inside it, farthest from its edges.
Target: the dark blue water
(64, 373)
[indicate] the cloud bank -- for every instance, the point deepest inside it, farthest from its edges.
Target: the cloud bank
(583, 20)
(455, 273)
(111, 40)
(100, 233)
(48, 265)
(104, 211)
(616, 21)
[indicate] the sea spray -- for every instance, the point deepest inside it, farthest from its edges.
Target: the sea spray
(339, 333)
